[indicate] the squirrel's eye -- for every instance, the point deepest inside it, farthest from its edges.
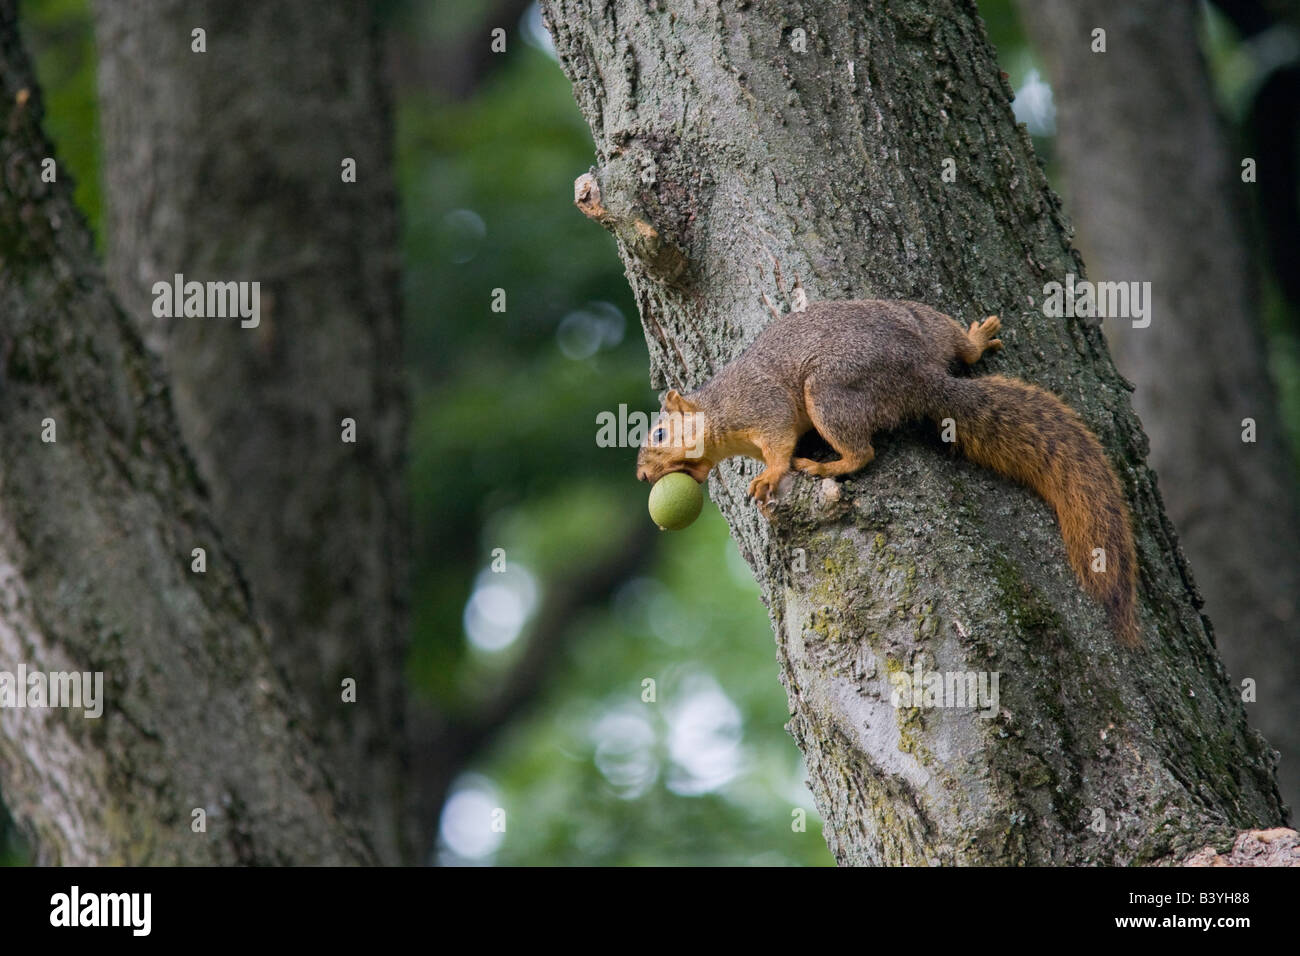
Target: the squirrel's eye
(658, 436)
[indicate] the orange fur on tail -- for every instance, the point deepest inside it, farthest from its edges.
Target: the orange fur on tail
(1028, 434)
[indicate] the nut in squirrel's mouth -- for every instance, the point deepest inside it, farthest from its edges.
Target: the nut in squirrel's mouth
(699, 471)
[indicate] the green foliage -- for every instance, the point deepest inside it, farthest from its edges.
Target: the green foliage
(59, 36)
(504, 455)
(13, 850)
(601, 776)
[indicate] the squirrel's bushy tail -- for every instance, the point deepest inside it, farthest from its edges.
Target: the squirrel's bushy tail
(1029, 435)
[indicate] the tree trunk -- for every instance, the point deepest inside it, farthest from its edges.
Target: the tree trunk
(228, 165)
(96, 533)
(1160, 197)
(719, 146)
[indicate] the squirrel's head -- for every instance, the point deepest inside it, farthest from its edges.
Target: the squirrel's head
(675, 442)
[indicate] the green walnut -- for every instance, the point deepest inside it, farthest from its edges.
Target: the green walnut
(675, 501)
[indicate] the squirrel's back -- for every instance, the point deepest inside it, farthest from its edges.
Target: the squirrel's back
(863, 332)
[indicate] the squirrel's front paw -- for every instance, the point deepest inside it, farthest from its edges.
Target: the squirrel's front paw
(762, 489)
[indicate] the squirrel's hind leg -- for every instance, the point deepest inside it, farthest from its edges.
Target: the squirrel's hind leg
(837, 414)
(846, 464)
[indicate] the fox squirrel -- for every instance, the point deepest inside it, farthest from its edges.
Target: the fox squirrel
(850, 369)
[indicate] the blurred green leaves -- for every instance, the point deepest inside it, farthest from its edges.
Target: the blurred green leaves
(59, 36)
(504, 455)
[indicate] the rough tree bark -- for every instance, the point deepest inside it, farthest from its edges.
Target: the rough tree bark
(720, 146)
(1143, 149)
(226, 165)
(96, 530)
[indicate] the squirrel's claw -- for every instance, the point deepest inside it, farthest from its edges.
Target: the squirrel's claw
(763, 490)
(776, 314)
(984, 332)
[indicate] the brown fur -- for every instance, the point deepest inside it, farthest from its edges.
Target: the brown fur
(850, 369)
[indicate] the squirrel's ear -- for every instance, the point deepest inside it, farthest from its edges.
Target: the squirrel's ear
(674, 402)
